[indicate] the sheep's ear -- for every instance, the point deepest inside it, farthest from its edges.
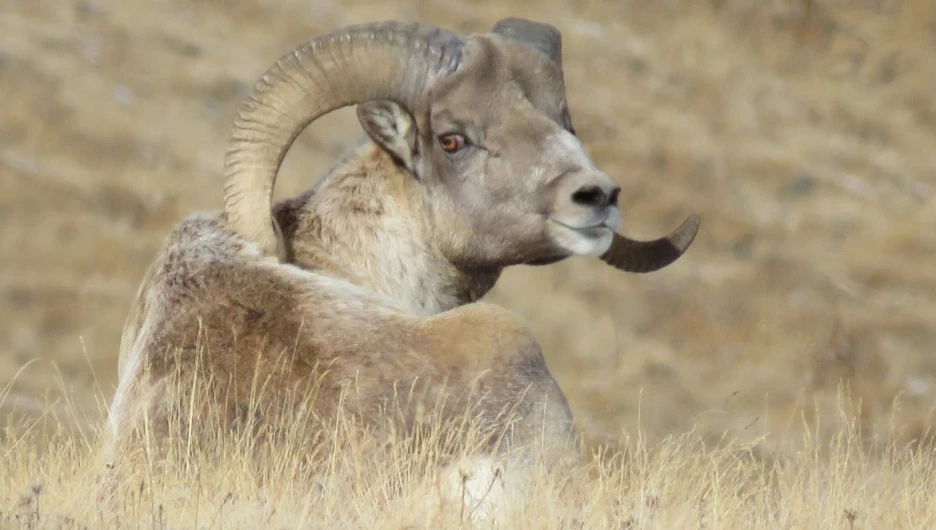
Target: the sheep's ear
(392, 127)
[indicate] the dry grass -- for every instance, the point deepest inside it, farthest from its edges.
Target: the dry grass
(346, 479)
(802, 132)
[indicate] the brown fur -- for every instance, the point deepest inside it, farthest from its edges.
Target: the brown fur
(337, 320)
(373, 314)
(368, 222)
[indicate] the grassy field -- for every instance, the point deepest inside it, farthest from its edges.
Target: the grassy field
(682, 481)
(802, 132)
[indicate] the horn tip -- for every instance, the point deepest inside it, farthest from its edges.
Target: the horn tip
(683, 236)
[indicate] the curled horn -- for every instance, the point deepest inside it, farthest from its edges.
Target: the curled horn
(544, 37)
(386, 60)
(647, 256)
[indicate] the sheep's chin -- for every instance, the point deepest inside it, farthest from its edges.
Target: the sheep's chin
(589, 241)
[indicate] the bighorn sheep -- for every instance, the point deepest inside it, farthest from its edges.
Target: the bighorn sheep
(374, 274)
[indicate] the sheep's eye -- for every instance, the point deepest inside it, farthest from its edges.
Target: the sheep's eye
(452, 142)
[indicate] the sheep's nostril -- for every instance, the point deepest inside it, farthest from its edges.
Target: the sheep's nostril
(590, 196)
(596, 196)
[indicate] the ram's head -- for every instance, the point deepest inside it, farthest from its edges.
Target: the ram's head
(481, 122)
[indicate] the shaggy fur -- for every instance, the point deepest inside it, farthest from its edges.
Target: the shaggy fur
(369, 308)
(398, 321)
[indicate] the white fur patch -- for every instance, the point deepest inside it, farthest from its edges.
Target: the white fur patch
(565, 145)
(482, 489)
(128, 375)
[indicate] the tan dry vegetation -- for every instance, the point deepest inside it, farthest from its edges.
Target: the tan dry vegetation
(801, 131)
(347, 481)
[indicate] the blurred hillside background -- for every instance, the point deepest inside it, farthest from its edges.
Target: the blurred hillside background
(803, 132)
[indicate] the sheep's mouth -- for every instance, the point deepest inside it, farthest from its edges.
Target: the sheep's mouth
(590, 222)
(595, 230)
(585, 228)
(587, 240)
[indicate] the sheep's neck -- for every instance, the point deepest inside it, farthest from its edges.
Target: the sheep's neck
(365, 223)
